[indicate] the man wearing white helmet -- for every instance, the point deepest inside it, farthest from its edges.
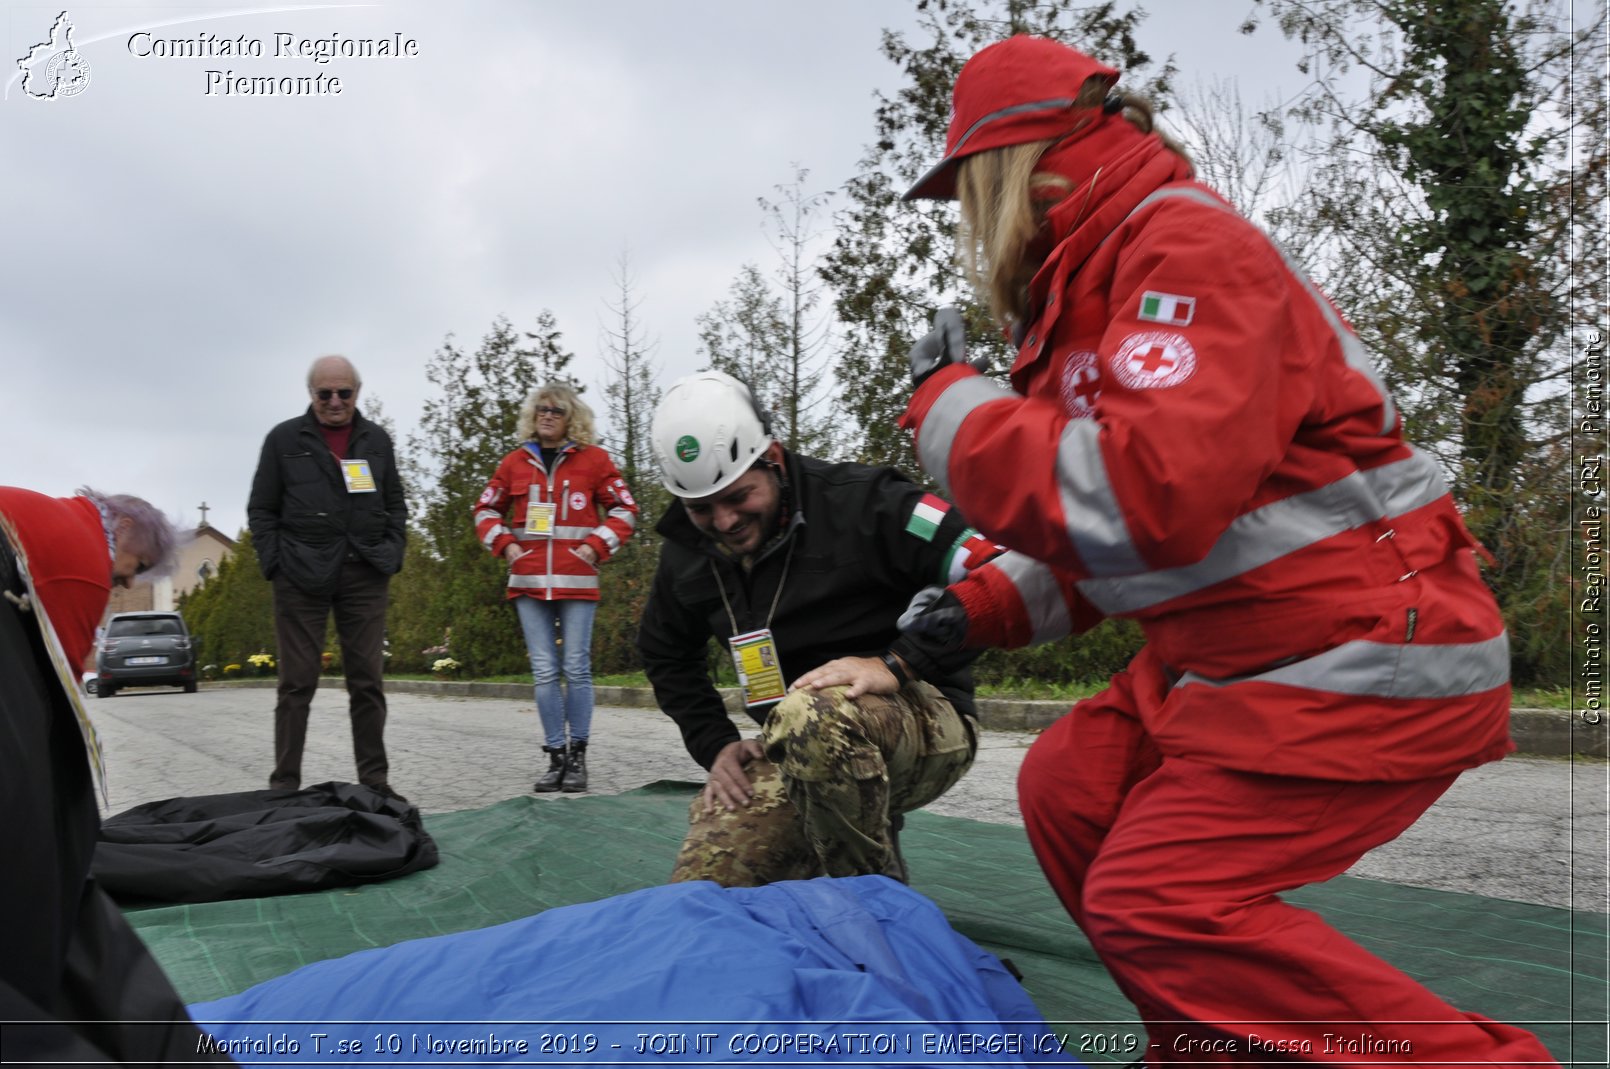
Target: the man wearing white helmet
(802, 569)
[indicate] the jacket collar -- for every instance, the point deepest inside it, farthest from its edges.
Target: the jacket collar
(534, 448)
(310, 422)
(1080, 222)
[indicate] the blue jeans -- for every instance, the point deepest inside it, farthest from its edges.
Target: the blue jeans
(550, 659)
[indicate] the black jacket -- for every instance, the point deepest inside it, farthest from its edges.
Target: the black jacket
(854, 568)
(304, 522)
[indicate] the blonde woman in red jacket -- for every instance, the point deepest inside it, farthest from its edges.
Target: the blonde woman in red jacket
(1195, 439)
(556, 509)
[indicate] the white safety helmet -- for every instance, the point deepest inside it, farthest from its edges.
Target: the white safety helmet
(707, 432)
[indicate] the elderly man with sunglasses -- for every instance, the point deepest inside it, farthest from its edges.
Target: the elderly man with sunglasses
(329, 522)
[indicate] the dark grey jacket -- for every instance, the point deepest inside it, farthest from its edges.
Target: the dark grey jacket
(304, 522)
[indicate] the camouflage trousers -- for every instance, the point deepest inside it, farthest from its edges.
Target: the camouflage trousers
(834, 773)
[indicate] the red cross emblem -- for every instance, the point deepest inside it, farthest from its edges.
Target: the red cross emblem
(1153, 359)
(1081, 383)
(1086, 384)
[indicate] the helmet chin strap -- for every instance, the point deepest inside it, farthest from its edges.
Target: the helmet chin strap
(785, 496)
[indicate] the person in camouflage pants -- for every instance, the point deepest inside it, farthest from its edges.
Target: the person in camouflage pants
(803, 569)
(807, 818)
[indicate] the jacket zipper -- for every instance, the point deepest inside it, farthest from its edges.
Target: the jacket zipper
(558, 459)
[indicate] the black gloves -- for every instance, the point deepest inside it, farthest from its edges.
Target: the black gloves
(935, 620)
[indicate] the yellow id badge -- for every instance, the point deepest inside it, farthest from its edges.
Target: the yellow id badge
(360, 480)
(539, 519)
(760, 673)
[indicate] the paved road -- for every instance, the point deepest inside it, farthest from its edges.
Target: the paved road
(1530, 829)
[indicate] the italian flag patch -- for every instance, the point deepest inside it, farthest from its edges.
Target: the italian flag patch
(970, 551)
(926, 517)
(1168, 308)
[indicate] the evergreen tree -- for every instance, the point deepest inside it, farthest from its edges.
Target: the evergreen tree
(892, 264)
(552, 360)
(745, 335)
(464, 431)
(1480, 128)
(231, 615)
(768, 331)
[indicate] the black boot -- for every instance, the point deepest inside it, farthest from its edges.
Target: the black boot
(575, 777)
(549, 780)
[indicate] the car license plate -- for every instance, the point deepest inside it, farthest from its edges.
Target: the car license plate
(147, 660)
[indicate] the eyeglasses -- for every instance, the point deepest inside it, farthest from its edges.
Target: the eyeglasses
(325, 395)
(549, 410)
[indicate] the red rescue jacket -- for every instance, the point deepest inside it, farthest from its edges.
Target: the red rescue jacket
(590, 505)
(1195, 439)
(69, 562)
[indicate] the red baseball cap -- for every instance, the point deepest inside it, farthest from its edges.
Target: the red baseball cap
(1016, 90)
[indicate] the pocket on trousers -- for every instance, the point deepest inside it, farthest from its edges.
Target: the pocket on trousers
(944, 729)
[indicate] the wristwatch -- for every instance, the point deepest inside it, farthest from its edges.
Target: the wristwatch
(896, 669)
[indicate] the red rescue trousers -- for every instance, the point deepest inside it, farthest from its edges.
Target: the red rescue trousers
(1173, 870)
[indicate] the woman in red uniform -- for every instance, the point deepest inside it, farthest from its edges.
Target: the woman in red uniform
(556, 509)
(1195, 439)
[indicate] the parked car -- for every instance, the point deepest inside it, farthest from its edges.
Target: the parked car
(145, 649)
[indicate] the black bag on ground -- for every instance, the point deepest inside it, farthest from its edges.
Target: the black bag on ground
(255, 843)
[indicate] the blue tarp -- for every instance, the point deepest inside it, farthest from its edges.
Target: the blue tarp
(862, 971)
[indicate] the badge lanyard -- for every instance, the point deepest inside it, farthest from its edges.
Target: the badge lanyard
(539, 514)
(754, 653)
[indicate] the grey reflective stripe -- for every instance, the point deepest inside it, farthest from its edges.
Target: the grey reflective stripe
(577, 533)
(945, 418)
(1352, 349)
(1007, 113)
(1384, 670)
(554, 582)
(1407, 484)
(626, 516)
(1089, 506)
(1278, 529)
(1042, 597)
(492, 532)
(610, 538)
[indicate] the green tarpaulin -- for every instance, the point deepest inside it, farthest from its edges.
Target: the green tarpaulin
(1530, 965)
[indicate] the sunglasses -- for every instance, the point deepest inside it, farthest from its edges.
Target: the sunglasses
(549, 410)
(325, 395)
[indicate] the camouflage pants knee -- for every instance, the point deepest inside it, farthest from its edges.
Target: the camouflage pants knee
(835, 771)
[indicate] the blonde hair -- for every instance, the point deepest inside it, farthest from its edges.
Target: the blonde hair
(578, 417)
(1004, 202)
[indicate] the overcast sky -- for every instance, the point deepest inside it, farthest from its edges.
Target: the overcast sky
(177, 258)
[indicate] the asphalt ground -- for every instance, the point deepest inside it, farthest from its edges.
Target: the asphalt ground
(1527, 828)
